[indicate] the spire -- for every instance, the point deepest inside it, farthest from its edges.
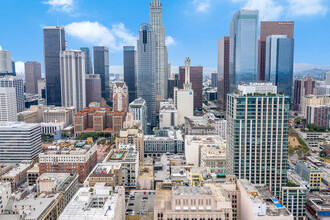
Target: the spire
(187, 70)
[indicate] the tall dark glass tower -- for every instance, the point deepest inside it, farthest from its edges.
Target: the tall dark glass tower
(89, 66)
(130, 65)
(54, 42)
(146, 86)
(101, 67)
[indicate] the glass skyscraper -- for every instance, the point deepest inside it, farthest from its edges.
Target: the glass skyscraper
(257, 138)
(279, 62)
(243, 48)
(130, 68)
(101, 67)
(89, 66)
(54, 43)
(146, 86)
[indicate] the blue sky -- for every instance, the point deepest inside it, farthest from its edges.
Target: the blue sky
(192, 26)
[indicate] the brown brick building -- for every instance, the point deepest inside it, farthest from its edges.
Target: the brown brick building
(74, 160)
(96, 119)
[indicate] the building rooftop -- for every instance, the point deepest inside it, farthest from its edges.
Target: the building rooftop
(118, 155)
(146, 173)
(60, 180)
(4, 126)
(260, 196)
(319, 201)
(17, 169)
(189, 190)
(141, 202)
(198, 122)
(99, 203)
(81, 148)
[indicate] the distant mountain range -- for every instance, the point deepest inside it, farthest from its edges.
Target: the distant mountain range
(302, 70)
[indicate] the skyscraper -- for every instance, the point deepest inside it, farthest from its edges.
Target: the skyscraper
(257, 144)
(270, 28)
(73, 84)
(32, 75)
(279, 62)
(223, 72)
(101, 67)
(214, 78)
(196, 80)
(93, 88)
(5, 62)
(156, 22)
(54, 43)
(130, 71)
(17, 83)
(243, 48)
(184, 98)
(120, 97)
(8, 106)
(139, 110)
(146, 86)
(303, 87)
(89, 65)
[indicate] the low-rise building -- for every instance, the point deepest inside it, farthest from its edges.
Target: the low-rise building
(207, 202)
(100, 202)
(141, 205)
(145, 179)
(32, 175)
(194, 144)
(5, 194)
(108, 173)
(170, 141)
(28, 116)
(132, 136)
(257, 203)
(310, 173)
(17, 174)
(318, 206)
(214, 157)
(60, 115)
(168, 115)
(79, 159)
(318, 115)
(199, 125)
(128, 157)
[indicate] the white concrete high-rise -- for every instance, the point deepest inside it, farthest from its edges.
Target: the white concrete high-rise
(17, 83)
(139, 110)
(73, 84)
(156, 22)
(5, 62)
(8, 107)
(184, 98)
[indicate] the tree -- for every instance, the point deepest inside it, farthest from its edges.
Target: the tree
(311, 127)
(297, 120)
(291, 150)
(323, 153)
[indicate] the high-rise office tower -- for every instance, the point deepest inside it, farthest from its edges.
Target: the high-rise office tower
(17, 83)
(214, 78)
(303, 87)
(8, 106)
(184, 98)
(32, 75)
(146, 86)
(170, 88)
(89, 65)
(243, 48)
(139, 110)
(101, 67)
(196, 80)
(223, 72)
(120, 97)
(130, 71)
(257, 144)
(156, 22)
(54, 43)
(279, 62)
(270, 28)
(169, 70)
(93, 88)
(73, 84)
(5, 62)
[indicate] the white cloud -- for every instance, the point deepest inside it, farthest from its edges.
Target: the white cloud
(97, 34)
(201, 5)
(0, 48)
(268, 9)
(307, 7)
(170, 41)
(60, 5)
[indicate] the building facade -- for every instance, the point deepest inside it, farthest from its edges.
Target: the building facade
(89, 65)
(139, 110)
(17, 83)
(73, 82)
(223, 72)
(8, 106)
(303, 87)
(101, 67)
(120, 96)
(257, 139)
(54, 43)
(130, 71)
(93, 88)
(243, 56)
(146, 89)
(5, 63)
(32, 75)
(19, 141)
(318, 115)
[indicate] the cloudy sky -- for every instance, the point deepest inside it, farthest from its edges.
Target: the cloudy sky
(192, 26)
